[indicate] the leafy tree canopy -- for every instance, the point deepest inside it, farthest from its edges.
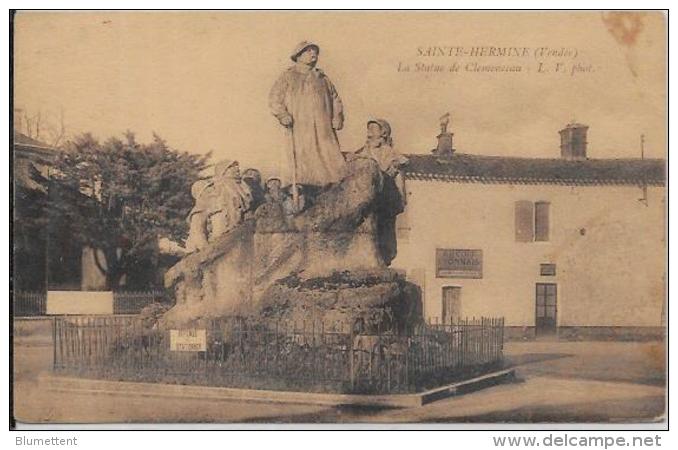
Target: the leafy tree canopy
(120, 196)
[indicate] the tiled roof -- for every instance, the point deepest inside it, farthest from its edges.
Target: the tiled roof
(31, 160)
(25, 141)
(511, 170)
(27, 147)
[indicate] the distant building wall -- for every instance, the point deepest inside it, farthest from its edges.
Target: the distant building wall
(607, 246)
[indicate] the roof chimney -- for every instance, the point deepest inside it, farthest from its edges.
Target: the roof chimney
(573, 141)
(445, 147)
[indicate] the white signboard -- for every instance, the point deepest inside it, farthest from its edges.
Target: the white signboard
(79, 302)
(191, 340)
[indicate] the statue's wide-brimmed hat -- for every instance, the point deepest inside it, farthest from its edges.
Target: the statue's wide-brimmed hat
(252, 173)
(223, 166)
(301, 46)
(385, 126)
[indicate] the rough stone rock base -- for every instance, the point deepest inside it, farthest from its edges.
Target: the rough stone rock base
(368, 302)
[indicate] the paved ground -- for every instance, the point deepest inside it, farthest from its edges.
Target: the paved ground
(559, 382)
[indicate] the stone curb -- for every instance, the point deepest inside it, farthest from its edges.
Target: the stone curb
(90, 386)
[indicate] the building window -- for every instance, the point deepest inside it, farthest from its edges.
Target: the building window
(532, 221)
(541, 221)
(547, 270)
(524, 221)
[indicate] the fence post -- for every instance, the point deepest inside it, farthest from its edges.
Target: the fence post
(483, 341)
(323, 341)
(502, 338)
(498, 339)
(278, 369)
(54, 344)
(350, 359)
(387, 357)
(464, 337)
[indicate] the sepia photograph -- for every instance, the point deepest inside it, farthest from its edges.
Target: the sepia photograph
(338, 218)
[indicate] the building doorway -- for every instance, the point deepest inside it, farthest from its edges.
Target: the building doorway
(451, 304)
(546, 309)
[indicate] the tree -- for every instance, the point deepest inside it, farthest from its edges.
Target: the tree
(119, 197)
(41, 126)
(29, 230)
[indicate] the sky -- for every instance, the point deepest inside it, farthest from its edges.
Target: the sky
(200, 80)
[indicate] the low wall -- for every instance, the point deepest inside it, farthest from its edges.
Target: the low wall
(79, 302)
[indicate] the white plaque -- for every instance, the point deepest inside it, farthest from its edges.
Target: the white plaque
(190, 340)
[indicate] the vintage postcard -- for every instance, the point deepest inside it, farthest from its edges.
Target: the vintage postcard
(334, 217)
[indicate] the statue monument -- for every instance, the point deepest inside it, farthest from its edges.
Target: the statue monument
(307, 104)
(220, 204)
(313, 244)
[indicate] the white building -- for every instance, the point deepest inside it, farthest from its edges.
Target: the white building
(569, 246)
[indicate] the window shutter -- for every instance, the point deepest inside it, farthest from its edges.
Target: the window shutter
(541, 221)
(524, 221)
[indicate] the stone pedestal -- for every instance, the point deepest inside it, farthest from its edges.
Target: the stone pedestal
(366, 302)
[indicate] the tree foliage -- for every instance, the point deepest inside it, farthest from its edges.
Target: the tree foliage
(29, 225)
(120, 196)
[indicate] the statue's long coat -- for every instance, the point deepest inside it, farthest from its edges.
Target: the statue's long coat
(310, 98)
(230, 199)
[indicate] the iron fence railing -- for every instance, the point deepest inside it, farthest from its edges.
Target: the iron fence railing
(28, 304)
(132, 302)
(311, 357)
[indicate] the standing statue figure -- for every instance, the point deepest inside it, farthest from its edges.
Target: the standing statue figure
(305, 101)
(230, 198)
(379, 147)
